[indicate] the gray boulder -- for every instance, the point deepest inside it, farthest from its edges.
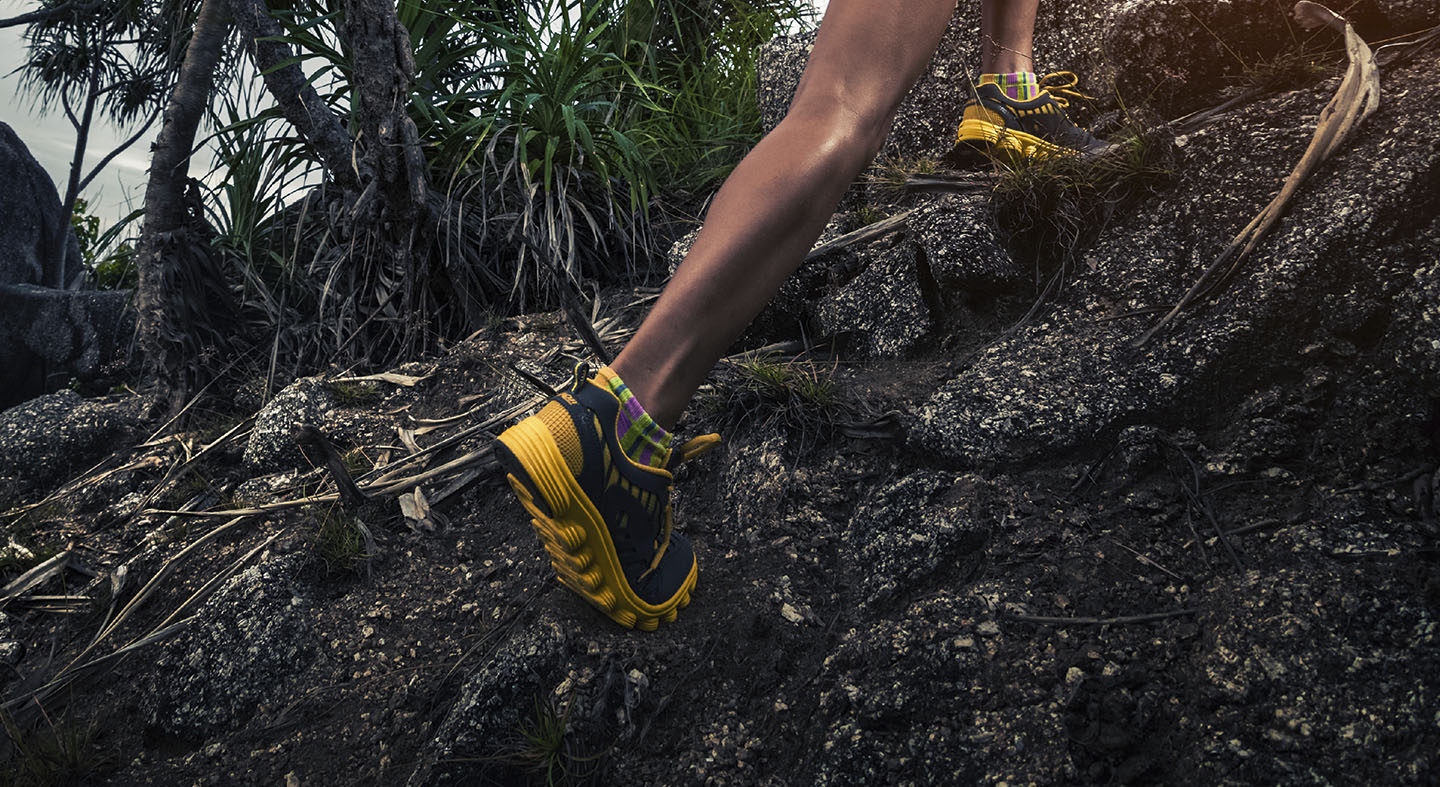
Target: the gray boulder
(243, 651)
(46, 327)
(883, 308)
(1415, 324)
(51, 437)
(911, 529)
(35, 236)
(309, 401)
(962, 249)
(1329, 267)
(479, 738)
(76, 332)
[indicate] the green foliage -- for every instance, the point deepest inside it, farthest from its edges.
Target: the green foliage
(111, 260)
(704, 55)
(342, 541)
(1293, 68)
(354, 394)
(117, 270)
(119, 53)
(868, 214)
(552, 129)
(890, 172)
(544, 747)
(800, 396)
(87, 231)
(538, 136)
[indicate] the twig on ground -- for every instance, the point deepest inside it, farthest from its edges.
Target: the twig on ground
(867, 233)
(540, 385)
(1196, 501)
(1148, 561)
(307, 436)
(1088, 621)
(950, 184)
(1261, 525)
(1371, 486)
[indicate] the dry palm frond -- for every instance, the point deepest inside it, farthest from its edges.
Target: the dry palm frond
(1357, 97)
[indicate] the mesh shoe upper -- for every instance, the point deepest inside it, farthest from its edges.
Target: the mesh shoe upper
(1042, 117)
(632, 499)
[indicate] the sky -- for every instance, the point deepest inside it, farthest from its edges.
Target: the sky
(51, 138)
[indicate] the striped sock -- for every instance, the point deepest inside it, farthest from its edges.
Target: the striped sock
(1019, 86)
(643, 440)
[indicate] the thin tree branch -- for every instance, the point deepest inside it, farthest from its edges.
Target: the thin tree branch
(47, 14)
(117, 151)
(296, 97)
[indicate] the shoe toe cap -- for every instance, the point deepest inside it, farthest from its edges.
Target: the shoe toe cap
(669, 579)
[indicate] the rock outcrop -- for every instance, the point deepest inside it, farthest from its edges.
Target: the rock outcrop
(1160, 57)
(51, 437)
(46, 326)
(35, 238)
(1330, 270)
(1204, 559)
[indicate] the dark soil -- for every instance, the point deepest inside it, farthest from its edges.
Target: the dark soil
(1288, 574)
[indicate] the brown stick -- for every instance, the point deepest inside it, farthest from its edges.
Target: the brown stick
(1357, 97)
(309, 437)
(867, 233)
(1086, 621)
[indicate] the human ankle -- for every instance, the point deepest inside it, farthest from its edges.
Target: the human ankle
(642, 439)
(1016, 85)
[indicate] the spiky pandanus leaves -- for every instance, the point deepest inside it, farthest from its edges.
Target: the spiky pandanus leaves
(544, 125)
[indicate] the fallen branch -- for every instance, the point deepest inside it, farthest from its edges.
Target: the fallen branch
(1355, 100)
(866, 233)
(308, 436)
(1087, 621)
(35, 576)
(947, 184)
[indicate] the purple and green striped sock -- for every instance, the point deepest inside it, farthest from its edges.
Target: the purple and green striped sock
(643, 440)
(1019, 86)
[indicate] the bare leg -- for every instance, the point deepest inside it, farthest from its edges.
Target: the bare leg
(1006, 30)
(770, 211)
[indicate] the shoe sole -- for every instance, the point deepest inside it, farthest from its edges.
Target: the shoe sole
(996, 141)
(574, 534)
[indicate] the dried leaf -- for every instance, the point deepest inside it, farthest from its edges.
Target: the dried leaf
(407, 438)
(413, 505)
(409, 381)
(35, 576)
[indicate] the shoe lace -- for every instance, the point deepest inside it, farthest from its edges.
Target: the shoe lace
(1061, 87)
(686, 452)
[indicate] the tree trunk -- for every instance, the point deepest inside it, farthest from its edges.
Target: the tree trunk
(302, 106)
(158, 296)
(77, 168)
(384, 71)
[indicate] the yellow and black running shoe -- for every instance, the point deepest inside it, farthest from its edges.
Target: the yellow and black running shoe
(604, 519)
(1004, 128)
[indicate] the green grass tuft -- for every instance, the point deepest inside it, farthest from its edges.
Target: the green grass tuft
(342, 541)
(53, 755)
(799, 396)
(546, 749)
(1053, 208)
(354, 394)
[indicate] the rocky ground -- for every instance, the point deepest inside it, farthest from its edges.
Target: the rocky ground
(966, 538)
